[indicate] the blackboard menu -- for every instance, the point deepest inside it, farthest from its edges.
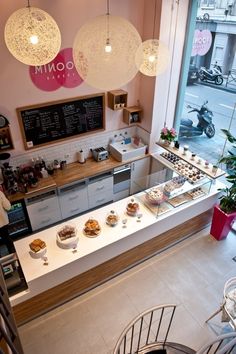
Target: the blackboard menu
(53, 121)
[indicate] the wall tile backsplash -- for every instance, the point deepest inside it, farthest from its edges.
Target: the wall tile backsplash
(68, 151)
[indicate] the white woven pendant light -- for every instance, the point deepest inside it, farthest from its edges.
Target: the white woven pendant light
(152, 56)
(32, 36)
(104, 51)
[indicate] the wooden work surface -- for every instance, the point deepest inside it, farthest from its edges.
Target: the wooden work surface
(76, 171)
(72, 172)
(44, 184)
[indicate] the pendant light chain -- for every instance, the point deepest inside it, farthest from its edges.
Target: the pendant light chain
(154, 22)
(108, 24)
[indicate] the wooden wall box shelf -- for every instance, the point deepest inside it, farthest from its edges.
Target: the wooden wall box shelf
(5, 139)
(132, 115)
(117, 99)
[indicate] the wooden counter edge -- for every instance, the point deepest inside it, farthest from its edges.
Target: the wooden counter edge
(78, 285)
(57, 180)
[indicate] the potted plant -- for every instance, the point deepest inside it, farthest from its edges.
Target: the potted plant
(225, 213)
(168, 135)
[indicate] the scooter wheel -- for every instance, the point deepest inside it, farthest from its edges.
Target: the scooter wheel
(219, 80)
(210, 131)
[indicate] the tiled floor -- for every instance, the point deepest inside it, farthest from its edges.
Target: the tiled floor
(190, 274)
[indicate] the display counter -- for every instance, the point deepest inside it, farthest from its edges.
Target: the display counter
(69, 272)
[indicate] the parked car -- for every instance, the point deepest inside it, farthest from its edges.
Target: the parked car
(192, 74)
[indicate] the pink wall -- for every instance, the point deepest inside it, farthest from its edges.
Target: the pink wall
(16, 88)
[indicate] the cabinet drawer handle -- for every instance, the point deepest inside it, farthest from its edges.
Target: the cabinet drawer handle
(73, 198)
(74, 210)
(100, 188)
(46, 221)
(42, 209)
(100, 200)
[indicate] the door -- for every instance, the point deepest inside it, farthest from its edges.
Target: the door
(140, 170)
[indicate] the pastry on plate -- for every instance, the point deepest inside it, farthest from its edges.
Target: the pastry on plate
(92, 228)
(112, 218)
(132, 208)
(155, 196)
(37, 245)
(66, 232)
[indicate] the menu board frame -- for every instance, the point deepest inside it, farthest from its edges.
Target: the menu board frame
(21, 111)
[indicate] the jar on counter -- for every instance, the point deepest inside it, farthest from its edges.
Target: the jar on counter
(112, 218)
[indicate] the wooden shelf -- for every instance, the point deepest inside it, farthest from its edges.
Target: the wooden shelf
(5, 139)
(187, 158)
(117, 99)
(132, 115)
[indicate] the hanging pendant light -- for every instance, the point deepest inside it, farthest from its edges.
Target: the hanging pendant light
(32, 36)
(152, 56)
(104, 51)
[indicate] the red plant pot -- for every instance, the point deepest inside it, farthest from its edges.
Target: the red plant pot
(221, 223)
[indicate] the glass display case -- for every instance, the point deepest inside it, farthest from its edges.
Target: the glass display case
(167, 189)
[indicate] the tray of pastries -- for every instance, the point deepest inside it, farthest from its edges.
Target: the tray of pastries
(37, 248)
(67, 236)
(156, 196)
(196, 193)
(112, 218)
(92, 228)
(191, 173)
(132, 208)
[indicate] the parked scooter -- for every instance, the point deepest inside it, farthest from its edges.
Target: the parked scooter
(214, 75)
(204, 125)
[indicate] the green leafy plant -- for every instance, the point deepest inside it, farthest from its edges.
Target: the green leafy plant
(228, 199)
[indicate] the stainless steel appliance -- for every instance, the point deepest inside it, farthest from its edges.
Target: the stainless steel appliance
(121, 181)
(100, 154)
(19, 223)
(13, 274)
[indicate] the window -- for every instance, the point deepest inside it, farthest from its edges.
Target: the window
(206, 98)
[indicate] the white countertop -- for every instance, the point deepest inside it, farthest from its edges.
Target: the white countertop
(58, 257)
(64, 264)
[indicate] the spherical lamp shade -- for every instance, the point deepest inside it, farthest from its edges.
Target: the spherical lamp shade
(104, 52)
(152, 57)
(32, 36)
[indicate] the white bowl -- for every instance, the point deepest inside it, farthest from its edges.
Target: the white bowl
(70, 242)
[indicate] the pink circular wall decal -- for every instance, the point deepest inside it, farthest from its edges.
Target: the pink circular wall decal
(201, 42)
(59, 72)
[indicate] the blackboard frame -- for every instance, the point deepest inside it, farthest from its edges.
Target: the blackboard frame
(24, 109)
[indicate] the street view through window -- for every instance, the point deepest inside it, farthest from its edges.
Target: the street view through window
(210, 96)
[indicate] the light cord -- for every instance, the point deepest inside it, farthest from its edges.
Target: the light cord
(172, 56)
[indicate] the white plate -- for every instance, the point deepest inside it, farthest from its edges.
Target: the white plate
(68, 243)
(92, 236)
(38, 254)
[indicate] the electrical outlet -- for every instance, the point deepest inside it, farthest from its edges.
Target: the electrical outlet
(66, 156)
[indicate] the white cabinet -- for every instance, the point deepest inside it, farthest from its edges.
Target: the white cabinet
(43, 209)
(100, 190)
(73, 198)
(140, 170)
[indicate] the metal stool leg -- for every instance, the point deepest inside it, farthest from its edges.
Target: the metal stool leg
(214, 314)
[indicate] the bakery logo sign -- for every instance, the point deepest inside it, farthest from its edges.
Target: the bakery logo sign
(60, 72)
(201, 42)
